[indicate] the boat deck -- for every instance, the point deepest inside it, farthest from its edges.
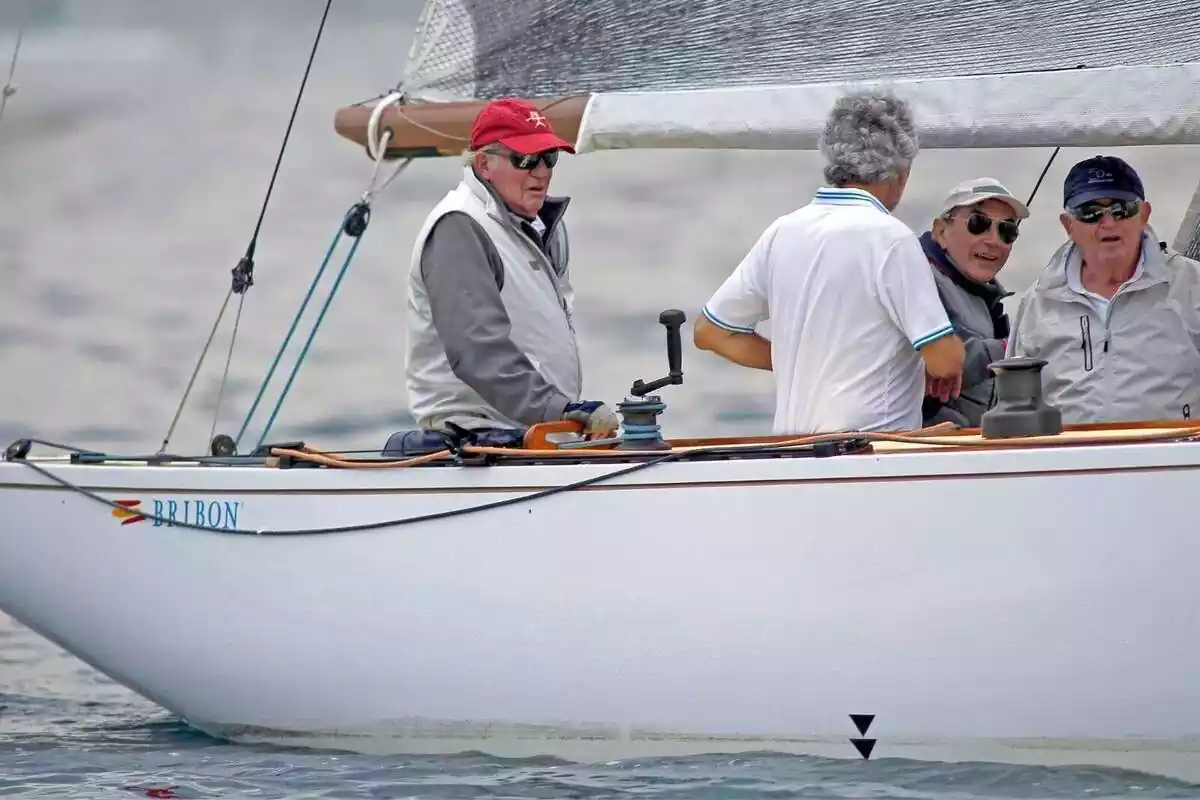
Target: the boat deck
(940, 438)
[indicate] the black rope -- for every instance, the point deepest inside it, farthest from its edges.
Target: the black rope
(19, 451)
(243, 273)
(1042, 177)
(21, 447)
(1046, 168)
(366, 526)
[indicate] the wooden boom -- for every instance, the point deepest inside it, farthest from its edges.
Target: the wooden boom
(431, 130)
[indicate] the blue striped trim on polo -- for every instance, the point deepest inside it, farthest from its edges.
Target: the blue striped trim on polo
(834, 196)
(720, 324)
(929, 337)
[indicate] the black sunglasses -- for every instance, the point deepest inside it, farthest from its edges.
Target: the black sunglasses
(529, 162)
(1091, 213)
(1006, 229)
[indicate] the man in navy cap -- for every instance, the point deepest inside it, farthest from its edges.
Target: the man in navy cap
(1115, 313)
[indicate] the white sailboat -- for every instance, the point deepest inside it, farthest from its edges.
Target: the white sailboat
(657, 595)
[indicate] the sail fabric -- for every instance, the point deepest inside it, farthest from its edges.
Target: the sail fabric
(1188, 239)
(762, 73)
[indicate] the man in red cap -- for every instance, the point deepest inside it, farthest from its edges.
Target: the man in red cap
(491, 343)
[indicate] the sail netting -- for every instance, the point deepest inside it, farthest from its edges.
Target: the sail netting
(1188, 240)
(682, 72)
(1191, 247)
(482, 49)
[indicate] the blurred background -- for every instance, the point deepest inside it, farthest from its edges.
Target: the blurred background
(133, 161)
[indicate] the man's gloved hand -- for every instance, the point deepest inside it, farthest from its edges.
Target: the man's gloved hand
(596, 417)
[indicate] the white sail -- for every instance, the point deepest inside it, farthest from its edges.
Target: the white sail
(1114, 107)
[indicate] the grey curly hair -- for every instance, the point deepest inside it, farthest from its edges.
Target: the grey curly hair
(868, 138)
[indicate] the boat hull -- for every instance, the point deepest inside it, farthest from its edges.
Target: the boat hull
(1033, 606)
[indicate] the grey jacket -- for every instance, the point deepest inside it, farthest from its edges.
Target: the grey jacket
(1141, 361)
(977, 313)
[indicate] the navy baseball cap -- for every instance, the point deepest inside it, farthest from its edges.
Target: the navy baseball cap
(1101, 177)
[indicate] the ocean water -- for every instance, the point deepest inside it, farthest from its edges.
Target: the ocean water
(68, 732)
(132, 165)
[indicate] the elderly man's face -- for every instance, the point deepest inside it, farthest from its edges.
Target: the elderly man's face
(978, 238)
(522, 185)
(1108, 232)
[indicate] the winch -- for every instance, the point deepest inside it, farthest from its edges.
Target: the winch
(1020, 409)
(639, 411)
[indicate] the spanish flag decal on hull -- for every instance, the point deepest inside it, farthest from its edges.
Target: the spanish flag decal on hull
(128, 513)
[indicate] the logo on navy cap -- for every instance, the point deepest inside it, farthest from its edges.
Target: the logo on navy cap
(1101, 177)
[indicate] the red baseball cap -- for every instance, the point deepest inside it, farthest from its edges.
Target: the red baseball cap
(518, 125)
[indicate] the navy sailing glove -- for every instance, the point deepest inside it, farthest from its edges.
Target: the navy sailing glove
(596, 417)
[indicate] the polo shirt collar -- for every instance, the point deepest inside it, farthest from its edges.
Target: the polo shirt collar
(838, 196)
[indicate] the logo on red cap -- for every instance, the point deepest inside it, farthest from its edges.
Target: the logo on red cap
(518, 125)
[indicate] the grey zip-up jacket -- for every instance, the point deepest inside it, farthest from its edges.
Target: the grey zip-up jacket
(1141, 361)
(490, 337)
(976, 310)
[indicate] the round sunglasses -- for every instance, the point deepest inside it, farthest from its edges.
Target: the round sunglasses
(1091, 213)
(979, 223)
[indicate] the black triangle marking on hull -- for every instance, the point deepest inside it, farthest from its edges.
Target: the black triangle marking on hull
(863, 746)
(862, 722)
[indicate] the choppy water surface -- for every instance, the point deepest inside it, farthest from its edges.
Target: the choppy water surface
(67, 732)
(132, 165)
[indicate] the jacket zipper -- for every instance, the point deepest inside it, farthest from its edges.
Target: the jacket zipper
(1085, 341)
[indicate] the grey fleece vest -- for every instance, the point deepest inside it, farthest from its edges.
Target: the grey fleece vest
(537, 308)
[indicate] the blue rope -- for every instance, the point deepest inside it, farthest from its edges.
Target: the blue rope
(311, 335)
(287, 339)
(641, 431)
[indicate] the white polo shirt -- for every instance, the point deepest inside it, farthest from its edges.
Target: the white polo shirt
(851, 297)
